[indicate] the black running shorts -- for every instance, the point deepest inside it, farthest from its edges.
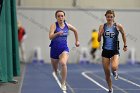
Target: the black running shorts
(109, 53)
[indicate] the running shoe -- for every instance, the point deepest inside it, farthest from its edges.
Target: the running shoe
(115, 74)
(110, 91)
(63, 87)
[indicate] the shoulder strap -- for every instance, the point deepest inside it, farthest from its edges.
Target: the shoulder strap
(115, 24)
(104, 26)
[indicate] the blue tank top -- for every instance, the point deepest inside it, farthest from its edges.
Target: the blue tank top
(110, 37)
(60, 41)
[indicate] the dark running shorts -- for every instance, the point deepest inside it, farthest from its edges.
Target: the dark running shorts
(109, 53)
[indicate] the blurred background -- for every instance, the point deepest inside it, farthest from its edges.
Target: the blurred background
(36, 17)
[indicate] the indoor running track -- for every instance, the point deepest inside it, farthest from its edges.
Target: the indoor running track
(82, 78)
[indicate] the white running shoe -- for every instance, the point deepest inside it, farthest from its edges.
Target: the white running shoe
(63, 87)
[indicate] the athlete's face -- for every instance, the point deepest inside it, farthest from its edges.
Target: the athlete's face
(60, 17)
(110, 18)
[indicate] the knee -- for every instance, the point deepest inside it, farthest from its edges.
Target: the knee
(114, 67)
(63, 63)
(107, 75)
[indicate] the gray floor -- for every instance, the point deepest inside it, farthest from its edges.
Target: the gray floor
(12, 88)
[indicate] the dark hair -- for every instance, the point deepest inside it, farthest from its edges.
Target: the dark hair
(94, 30)
(110, 12)
(59, 11)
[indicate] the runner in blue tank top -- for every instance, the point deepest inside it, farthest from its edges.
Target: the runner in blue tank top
(110, 53)
(59, 48)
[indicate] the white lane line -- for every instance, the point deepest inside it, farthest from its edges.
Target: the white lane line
(131, 82)
(71, 89)
(57, 80)
(92, 80)
(134, 77)
(22, 78)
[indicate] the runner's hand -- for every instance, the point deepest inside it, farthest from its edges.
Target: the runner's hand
(77, 44)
